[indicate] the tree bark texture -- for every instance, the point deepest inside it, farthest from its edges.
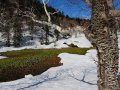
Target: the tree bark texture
(103, 35)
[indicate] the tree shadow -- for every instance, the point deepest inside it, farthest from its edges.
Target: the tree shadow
(45, 78)
(85, 73)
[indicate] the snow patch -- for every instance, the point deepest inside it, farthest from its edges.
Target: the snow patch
(29, 76)
(77, 73)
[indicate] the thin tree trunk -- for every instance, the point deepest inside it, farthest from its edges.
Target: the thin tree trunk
(103, 35)
(17, 32)
(46, 28)
(47, 13)
(8, 36)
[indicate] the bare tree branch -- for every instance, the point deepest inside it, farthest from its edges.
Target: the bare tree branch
(54, 26)
(76, 3)
(53, 13)
(47, 13)
(115, 13)
(89, 2)
(110, 4)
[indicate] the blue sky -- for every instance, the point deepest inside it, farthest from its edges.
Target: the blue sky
(77, 10)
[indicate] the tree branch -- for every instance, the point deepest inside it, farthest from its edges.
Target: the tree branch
(89, 2)
(53, 13)
(115, 13)
(110, 4)
(47, 13)
(54, 26)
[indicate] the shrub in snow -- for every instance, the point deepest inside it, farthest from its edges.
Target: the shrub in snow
(72, 45)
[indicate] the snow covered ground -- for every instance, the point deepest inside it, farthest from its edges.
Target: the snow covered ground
(80, 41)
(77, 73)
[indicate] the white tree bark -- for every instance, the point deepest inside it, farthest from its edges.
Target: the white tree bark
(54, 26)
(47, 13)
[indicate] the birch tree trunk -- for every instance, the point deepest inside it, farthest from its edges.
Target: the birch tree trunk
(47, 13)
(103, 34)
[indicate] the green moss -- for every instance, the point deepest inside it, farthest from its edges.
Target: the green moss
(32, 61)
(27, 57)
(73, 45)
